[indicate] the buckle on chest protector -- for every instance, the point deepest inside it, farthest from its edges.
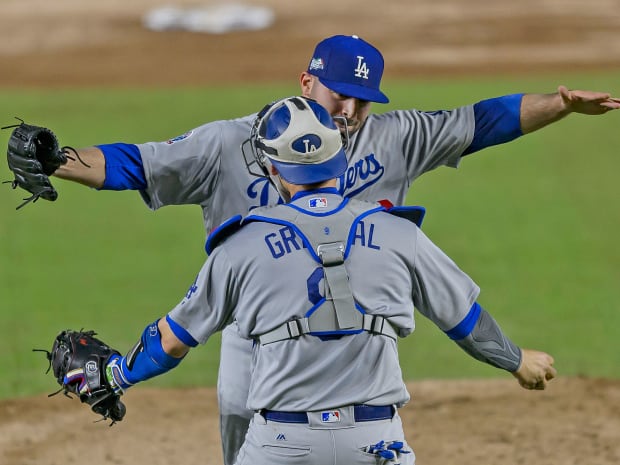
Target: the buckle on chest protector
(331, 254)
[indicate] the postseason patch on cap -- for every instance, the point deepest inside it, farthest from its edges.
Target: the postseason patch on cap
(317, 202)
(332, 416)
(316, 63)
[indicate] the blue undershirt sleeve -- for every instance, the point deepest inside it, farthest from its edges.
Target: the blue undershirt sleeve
(498, 120)
(123, 167)
(467, 324)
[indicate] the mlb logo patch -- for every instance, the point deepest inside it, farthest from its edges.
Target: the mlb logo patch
(332, 416)
(317, 202)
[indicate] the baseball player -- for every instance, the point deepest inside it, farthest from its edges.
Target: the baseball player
(323, 286)
(386, 153)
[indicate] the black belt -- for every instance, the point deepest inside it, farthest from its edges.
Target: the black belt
(361, 412)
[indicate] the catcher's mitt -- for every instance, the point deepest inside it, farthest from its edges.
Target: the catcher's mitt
(33, 155)
(78, 360)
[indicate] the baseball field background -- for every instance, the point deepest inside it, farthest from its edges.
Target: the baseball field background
(534, 222)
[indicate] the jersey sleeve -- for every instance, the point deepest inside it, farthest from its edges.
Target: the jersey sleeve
(208, 305)
(442, 292)
(434, 138)
(183, 170)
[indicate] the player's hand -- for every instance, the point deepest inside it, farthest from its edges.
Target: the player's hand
(588, 102)
(536, 369)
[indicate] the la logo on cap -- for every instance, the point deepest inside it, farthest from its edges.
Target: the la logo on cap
(362, 69)
(349, 66)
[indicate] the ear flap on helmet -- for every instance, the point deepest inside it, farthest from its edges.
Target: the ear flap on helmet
(255, 158)
(258, 151)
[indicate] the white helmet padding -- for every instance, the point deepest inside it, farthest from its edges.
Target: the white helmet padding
(301, 140)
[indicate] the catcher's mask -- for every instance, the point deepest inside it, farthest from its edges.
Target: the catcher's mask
(299, 137)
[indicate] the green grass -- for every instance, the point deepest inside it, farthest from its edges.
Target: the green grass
(534, 222)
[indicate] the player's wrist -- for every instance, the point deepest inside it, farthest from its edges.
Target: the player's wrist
(114, 375)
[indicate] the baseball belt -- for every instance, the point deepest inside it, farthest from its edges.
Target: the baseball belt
(361, 413)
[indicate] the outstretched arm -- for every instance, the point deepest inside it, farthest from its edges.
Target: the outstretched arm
(540, 110)
(486, 342)
(110, 166)
(91, 172)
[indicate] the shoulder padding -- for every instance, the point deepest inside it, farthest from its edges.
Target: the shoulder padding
(415, 214)
(227, 228)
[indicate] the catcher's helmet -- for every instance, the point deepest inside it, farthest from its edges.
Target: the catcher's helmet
(299, 137)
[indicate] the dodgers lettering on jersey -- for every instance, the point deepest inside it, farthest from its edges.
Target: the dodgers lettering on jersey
(358, 177)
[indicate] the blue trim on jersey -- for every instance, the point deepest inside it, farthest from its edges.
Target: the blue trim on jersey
(180, 332)
(320, 190)
(152, 360)
(498, 120)
(467, 324)
(224, 230)
(123, 167)
(362, 188)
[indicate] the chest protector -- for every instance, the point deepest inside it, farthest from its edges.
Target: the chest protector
(327, 238)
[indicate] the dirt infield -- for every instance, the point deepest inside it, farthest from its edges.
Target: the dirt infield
(575, 422)
(70, 43)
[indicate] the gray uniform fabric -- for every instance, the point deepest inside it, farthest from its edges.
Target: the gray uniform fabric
(206, 167)
(262, 276)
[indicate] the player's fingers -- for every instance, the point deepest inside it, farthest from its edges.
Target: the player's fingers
(564, 94)
(534, 385)
(611, 104)
(541, 384)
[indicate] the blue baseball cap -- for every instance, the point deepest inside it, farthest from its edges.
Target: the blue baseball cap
(350, 66)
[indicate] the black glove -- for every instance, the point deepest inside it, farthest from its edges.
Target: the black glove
(78, 361)
(33, 155)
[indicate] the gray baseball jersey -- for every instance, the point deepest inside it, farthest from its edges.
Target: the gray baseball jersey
(262, 276)
(205, 166)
